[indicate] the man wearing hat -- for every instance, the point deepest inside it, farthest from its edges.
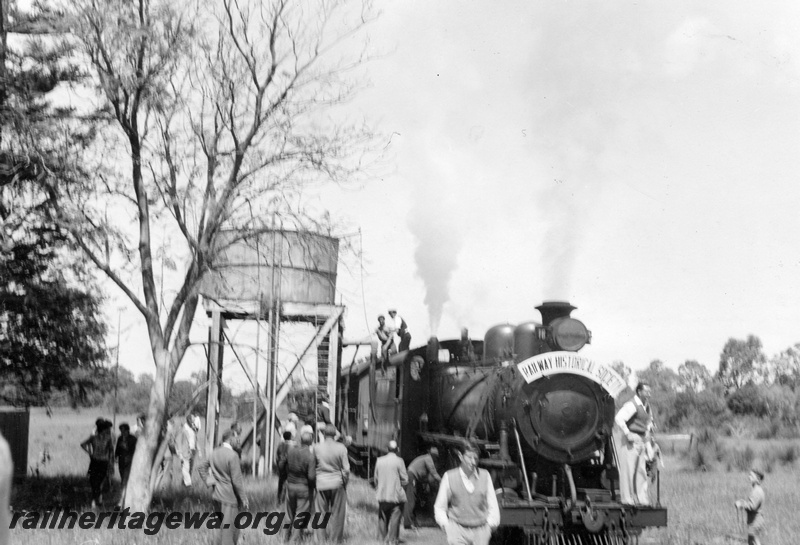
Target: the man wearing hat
(397, 326)
(385, 338)
(333, 472)
(420, 471)
(752, 506)
(390, 480)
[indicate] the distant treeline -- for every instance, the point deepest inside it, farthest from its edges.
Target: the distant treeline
(750, 395)
(131, 395)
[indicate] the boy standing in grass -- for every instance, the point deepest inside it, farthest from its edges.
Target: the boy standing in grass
(752, 506)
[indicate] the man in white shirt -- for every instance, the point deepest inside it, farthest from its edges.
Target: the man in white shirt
(466, 506)
(635, 422)
(398, 327)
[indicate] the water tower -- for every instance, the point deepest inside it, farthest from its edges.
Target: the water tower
(275, 276)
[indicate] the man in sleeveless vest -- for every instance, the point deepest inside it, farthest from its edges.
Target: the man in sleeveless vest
(635, 422)
(466, 506)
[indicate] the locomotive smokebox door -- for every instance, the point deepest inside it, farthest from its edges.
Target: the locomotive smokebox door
(561, 417)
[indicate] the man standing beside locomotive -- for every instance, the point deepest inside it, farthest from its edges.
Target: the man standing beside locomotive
(390, 480)
(635, 421)
(466, 506)
(420, 471)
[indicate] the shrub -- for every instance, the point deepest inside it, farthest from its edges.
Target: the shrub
(750, 399)
(768, 460)
(742, 460)
(708, 450)
(788, 455)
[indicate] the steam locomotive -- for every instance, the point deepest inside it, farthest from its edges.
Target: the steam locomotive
(541, 414)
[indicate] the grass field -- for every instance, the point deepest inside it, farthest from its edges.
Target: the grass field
(700, 503)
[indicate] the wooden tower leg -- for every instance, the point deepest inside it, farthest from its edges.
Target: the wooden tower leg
(214, 395)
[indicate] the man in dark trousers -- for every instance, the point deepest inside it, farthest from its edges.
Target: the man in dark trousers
(390, 480)
(398, 327)
(301, 476)
(466, 506)
(333, 472)
(126, 445)
(420, 471)
(280, 460)
(223, 472)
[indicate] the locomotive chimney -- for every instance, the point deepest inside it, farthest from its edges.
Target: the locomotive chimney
(552, 310)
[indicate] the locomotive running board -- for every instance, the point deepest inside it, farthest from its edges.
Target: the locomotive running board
(529, 514)
(521, 513)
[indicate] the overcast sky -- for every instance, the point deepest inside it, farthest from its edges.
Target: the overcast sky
(638, 159)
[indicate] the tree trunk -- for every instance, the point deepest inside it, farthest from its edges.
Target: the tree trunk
(138, 494)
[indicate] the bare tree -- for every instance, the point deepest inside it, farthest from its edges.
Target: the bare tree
(223, 113)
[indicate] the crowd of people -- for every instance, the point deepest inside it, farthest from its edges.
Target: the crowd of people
(107, 454)
(313, 477)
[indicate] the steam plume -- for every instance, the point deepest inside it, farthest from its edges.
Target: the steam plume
(438, 244)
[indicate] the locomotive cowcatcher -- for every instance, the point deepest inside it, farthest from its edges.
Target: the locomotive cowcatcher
(542, 415)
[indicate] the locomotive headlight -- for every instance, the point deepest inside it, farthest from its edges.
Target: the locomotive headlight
(569, 334)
